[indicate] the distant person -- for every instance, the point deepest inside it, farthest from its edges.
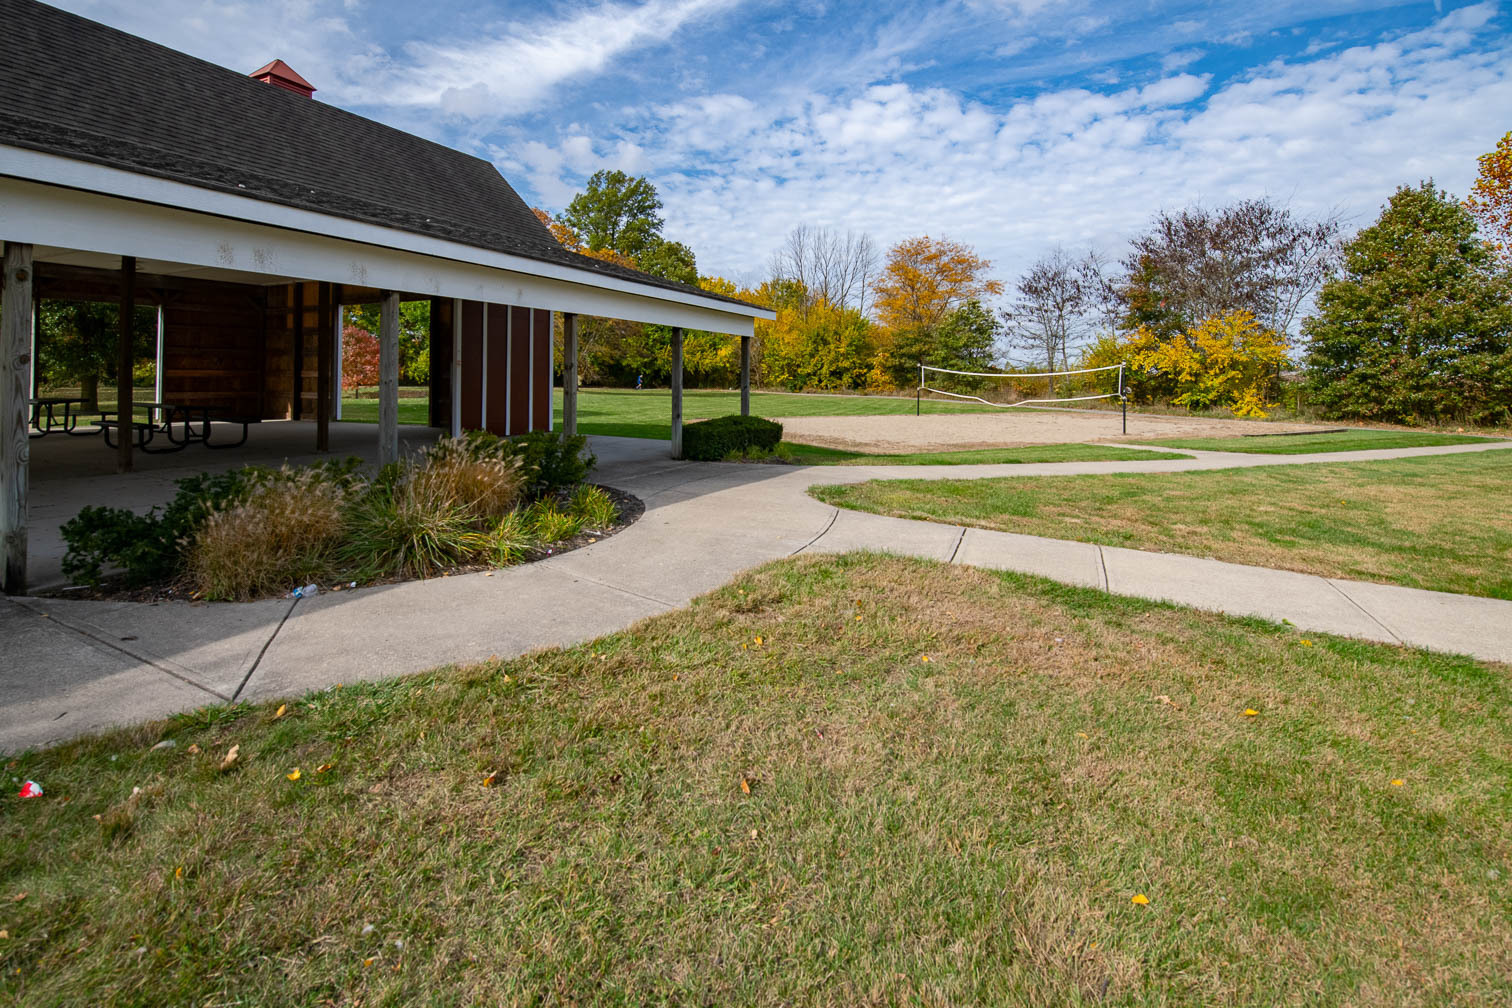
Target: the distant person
(639, 380)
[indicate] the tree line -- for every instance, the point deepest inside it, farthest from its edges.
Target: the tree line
(1410, 320)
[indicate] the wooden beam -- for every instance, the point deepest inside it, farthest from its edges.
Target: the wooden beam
(16, 307)
(388, 377)
(296, 410)
(677, 382)
(569, 373)
(745, 376)
(125, 361)
(323, 371)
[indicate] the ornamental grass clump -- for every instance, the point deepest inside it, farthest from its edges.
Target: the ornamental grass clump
(283, 531)
(595, 507)
(453, 472)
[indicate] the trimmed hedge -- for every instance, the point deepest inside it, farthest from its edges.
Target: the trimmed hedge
(712, 440)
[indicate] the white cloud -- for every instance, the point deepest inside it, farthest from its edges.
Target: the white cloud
(512, 68)
(1071, 166)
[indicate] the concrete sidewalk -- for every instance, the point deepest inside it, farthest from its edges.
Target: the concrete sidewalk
(72, 667)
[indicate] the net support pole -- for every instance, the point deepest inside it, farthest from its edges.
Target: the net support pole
(919, 393)
(1123, 398)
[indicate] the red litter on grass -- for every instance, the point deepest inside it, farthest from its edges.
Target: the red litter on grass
(31, 789)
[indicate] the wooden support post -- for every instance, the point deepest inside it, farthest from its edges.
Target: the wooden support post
(15, 375)
(388, 378)
(124, 363)
(677, 378)
(569, 373)
(323, 371)
(745, 376)
(296, 409)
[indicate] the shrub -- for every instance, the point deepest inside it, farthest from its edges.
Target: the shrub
(147, 547)
(281, 533)
(712, 440)
(550, 461)
(595, 507)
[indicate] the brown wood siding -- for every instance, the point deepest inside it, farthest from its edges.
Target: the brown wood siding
(213, 353)
(519, 371)
(541, 376)
(278, 354)
(440, 362)
(472, 359)
(308, 355)
(499, 420)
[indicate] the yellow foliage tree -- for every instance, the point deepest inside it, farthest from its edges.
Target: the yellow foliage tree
(926, 278)
(1225, 362)
(1490, 199)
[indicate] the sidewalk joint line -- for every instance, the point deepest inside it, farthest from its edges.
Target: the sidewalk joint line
(1102, 562)
(1368, 614)
(959, 539)
(576, 576)
(112, 645)
(822, 533)
(264, 650)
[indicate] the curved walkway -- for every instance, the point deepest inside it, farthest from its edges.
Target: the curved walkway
(72, 667)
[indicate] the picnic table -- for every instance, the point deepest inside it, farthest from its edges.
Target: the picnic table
(182, 424)
(44, 416)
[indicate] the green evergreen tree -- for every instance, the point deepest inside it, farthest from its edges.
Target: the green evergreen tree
(1419, 325)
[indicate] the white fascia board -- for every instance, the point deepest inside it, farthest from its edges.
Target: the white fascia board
(336, 250)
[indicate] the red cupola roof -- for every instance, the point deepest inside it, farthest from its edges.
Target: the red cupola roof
(280, 74)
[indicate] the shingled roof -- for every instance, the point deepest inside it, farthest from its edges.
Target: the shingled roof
(83, 90)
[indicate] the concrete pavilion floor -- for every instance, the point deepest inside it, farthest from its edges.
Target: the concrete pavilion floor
(69, 472)
(72, 667)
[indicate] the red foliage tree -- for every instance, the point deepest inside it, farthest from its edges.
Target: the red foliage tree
(359, 358)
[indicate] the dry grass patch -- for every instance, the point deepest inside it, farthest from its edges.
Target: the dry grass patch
(774, 798)
(1434, 522)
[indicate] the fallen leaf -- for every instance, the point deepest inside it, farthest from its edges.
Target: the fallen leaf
(20, 896)
(491, 779)
(758, 640)
(230, 757)
(368, 961)
(1168, 702)
(1082, 734)
(178, 872)
(1397, 782)
(4, 935)
(924, 658)
(1305, 642)
(280, 712)
(193, 749)
(745, 785)
(294, 774)
(1140, 898)
(1250, 712)
(324, 767)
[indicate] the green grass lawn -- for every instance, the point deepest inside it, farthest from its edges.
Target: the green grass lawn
(1303, 444)
(1436, 522)
(854, 780)
(816, 455)
(411, 411)
(648, 413)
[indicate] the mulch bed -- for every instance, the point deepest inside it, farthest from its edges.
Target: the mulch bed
(113, 590)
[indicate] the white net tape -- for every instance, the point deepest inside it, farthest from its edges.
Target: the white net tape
(923, 387)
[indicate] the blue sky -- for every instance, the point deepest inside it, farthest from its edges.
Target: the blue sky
(1012, 126)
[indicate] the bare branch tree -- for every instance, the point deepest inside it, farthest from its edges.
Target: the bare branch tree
(1054, 303)
(1253, 256)
(839, 269)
